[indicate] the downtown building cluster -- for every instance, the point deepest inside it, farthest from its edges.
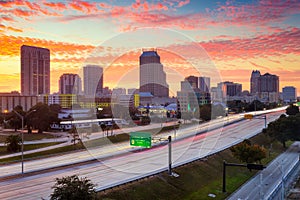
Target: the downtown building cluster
(153, 87)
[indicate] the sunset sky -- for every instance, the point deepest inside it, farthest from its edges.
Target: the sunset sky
(226, 39)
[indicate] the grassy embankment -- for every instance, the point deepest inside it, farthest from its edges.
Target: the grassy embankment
(196, 180)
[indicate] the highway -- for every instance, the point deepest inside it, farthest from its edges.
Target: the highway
(263, 185)
(119, 148)
(125, 167)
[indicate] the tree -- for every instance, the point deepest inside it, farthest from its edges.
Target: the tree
(41, 117)
(284, 129)
(13, 143)
(205, 112)
(254, 106)
(73, 188)
(292, 110)
(74, 135)
(248, 153)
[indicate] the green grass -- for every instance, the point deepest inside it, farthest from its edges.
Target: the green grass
(196, 180)
(27, 137)
(29, 147)
(46, 153)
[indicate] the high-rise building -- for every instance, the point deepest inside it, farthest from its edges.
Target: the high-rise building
(268, 88)
(70, 84)
(93, 80)
(268, 83)
(254, 81)
(230, 88)
(289, 94)
(35, 70)
(193, 81)
(152, 75)
(204, 84)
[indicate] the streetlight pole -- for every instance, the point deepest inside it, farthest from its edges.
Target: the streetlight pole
(22, 145)
(22, 135)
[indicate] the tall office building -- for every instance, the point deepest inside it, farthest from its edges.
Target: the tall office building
(204, 83)
(230, 88)
(254, 81)
(268, 88)
(193, 81)
(35, 70)
(152, 75)
(70, 84)
(289, 94)
(93, 80)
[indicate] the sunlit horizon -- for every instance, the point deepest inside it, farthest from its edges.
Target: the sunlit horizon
(236, 37)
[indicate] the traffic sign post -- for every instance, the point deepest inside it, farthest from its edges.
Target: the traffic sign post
(250, 166)
(170, 155)
(141, 139)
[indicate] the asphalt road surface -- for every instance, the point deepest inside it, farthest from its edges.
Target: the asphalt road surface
(125, 167)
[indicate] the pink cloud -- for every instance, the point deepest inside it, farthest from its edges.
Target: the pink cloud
(258, 13)
(182, 3)
(285, 42)
(6, 18)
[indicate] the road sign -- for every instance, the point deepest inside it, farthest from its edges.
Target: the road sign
(255, 166)
(248, 116)
(141, 139)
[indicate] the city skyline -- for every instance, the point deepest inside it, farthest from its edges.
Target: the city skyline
(238, 37)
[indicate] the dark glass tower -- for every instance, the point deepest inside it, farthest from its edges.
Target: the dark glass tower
(152, 75)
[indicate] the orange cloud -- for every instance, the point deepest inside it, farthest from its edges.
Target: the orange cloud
(9, 82)
(10, 46)
(4, 28)
(56, 6)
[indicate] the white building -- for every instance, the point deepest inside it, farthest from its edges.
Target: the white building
(93, 80)
(8, 101)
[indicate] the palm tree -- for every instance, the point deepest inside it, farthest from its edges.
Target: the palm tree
(13, 143)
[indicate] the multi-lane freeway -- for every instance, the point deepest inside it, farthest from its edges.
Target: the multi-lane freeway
(110, 171)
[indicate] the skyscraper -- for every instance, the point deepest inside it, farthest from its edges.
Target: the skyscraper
(193, 81)
(289, 94)
(152, 75)
(35, 70)
(70, 84)
(268, 88)
(268, 83)
(230, 88)
(254, 81)
(93, 80)
(204, 84)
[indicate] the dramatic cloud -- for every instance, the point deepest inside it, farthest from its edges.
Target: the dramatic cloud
(10, 46)
(286, 42)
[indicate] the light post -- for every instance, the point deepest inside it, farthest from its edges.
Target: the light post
(22, 135)
(4, 121)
